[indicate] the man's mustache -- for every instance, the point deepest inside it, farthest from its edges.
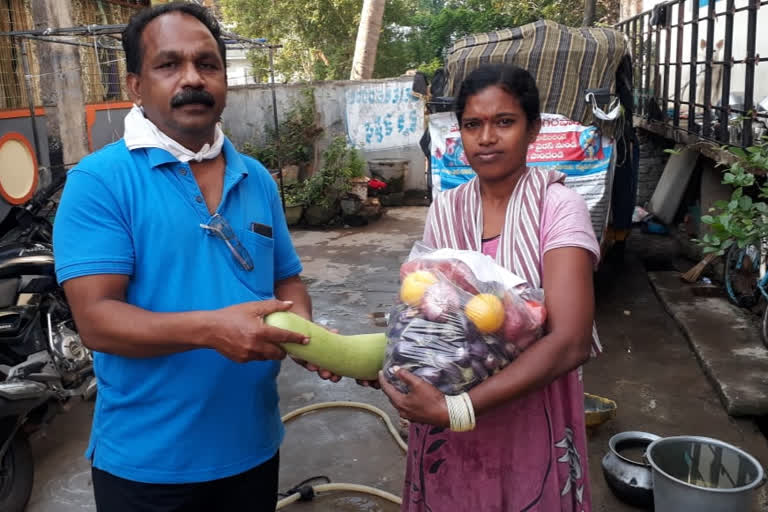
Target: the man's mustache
(188, 96)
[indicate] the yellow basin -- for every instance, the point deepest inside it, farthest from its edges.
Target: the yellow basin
(598, 410)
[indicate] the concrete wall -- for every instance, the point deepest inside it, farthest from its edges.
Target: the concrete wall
(246, 118)
(702, 192)
(652, 162)
(249, 112)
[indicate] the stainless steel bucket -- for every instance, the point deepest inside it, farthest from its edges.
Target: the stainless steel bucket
(699, 474)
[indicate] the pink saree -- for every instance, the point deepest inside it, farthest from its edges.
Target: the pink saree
(530, 454)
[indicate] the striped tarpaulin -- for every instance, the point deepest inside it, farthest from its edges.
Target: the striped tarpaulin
(564, 61)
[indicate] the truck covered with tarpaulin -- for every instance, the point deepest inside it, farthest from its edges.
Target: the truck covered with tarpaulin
(584, 77)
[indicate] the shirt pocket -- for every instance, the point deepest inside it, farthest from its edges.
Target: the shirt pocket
(261, 249)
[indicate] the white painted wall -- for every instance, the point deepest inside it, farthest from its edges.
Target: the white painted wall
(249, 112)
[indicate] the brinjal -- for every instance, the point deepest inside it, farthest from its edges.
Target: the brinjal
(463, 357)
(429, 374)
(491, 363)
(479, 369)
(511, 349)
(478, 350)
(440, 301)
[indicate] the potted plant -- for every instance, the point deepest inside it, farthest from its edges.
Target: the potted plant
(343, 168)
(358, 181)
(294, 204)
(295, 145)
(321, 206)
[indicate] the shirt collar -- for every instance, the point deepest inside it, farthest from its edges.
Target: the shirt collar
(235, 164)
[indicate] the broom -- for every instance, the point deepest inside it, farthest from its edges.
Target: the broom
(694, 274)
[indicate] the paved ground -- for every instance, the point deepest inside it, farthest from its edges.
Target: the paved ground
(647, 368)
(650, 371)
(726, 342)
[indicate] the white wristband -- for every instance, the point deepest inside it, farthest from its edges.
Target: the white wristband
(470, 409)
(460, 412)
(456, 413)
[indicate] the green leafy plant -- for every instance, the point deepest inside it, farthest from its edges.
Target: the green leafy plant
(298, 133)
(318, 36)
(294, 195)
(343, 160)
(754, 157)
(331, 182)
(743, 219)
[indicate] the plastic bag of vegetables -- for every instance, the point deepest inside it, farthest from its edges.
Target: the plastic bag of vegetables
(460, 319)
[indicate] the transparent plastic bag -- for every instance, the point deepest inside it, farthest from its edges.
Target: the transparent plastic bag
(460, 319)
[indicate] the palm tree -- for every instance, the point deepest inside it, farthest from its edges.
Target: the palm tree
(367, 39)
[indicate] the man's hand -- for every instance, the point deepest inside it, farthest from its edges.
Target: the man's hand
(324, 374)
(423, 403)
(240, 333)
(369, 384)
(328, 375)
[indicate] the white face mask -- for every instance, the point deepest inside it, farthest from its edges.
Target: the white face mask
(140, 132)
(614, 109)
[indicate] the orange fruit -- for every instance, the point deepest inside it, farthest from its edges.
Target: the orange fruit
(414, 286)
(485, 311)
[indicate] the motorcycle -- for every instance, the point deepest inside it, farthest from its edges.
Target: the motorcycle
(43, 363)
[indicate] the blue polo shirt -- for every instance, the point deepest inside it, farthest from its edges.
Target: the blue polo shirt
(193, 416)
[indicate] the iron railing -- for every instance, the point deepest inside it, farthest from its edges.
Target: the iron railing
(669, 66)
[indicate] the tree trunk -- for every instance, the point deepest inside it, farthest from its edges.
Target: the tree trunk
(367, 39)
(589, 12)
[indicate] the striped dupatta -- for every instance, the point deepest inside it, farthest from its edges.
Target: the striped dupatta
(455, 221)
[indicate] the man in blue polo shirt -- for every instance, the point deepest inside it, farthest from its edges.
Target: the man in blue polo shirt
(172, 247)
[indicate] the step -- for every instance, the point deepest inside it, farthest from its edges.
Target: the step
(726, 341)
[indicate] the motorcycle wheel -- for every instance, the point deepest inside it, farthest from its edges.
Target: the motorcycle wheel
(16, 475)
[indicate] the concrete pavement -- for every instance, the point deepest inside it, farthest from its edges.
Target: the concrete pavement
(648, 369)
(726, 340)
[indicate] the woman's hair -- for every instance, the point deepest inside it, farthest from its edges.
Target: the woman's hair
(516, 81)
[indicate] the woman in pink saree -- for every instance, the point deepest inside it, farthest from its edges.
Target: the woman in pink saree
(528, 450)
